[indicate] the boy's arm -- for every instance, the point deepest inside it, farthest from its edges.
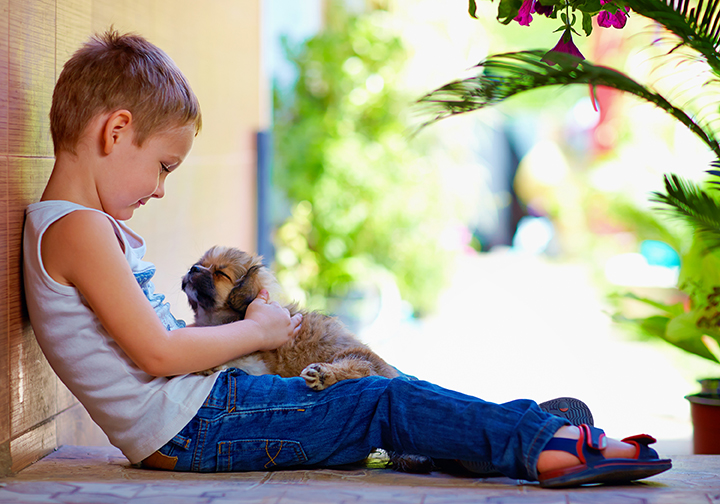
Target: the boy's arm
(82, 250)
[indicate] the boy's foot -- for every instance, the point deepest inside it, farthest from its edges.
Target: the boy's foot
(574, 410)
(583, 455)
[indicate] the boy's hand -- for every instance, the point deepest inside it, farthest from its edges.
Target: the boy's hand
(276, 325)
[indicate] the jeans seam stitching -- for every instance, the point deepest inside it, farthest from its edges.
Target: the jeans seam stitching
(222, 444)
(232, 394)
(272, 459)
(202, 437)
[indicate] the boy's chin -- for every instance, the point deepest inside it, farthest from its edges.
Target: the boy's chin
(128, 212)
(122, 215)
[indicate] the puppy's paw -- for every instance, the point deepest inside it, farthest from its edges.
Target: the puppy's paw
(318, 376)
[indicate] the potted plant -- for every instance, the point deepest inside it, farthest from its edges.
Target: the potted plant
(693, 326)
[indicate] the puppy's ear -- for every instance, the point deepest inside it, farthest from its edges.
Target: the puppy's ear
(244, 292)
(239, 300)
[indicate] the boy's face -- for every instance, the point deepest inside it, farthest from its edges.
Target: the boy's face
(137, 174)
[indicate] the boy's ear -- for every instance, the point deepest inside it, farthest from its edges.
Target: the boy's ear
(118, 127)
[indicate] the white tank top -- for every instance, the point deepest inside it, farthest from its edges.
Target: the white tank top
(138, 412)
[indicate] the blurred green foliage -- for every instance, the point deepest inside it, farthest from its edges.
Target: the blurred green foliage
(362, 200)
(693, 230)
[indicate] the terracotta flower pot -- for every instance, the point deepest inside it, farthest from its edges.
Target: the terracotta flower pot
(705, 411)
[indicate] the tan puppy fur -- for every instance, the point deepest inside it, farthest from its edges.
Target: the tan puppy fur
(222, 284)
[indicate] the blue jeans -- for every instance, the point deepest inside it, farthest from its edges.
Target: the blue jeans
(251, 423)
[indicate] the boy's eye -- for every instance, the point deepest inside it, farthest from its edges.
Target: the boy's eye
(164, 168)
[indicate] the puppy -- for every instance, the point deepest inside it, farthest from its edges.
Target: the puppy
(222, 284)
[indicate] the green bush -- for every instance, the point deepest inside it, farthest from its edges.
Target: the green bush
(362, 200)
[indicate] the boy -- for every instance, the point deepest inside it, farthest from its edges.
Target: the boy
(123, 118)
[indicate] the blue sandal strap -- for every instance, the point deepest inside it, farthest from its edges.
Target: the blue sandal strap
(591, 444)
(562, 444)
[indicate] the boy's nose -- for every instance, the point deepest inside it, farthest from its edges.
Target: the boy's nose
(159, 190)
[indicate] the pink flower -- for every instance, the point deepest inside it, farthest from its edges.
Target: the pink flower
(544, 10)
(524, 14)
(564, 45)
(530, 7)
(607, 20)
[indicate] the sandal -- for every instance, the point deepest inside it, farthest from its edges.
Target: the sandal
(574, 410)
(595, 468)
(569, 408)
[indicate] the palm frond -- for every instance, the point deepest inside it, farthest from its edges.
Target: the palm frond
(695, 23)
(715, 173)
(688, 201)
(505, 75)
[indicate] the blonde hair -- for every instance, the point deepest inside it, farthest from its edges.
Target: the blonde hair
(114, 71)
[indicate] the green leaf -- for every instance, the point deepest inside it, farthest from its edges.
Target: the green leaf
(472, 8)
(590, 7)
(680, 331)
(699, 272)
(508, 10)
(587, 23)
(655, 325)
(683, 332)
(686, 200)
(673, 309)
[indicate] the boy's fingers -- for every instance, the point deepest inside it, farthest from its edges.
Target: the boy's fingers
(297, 320)
(264, 295)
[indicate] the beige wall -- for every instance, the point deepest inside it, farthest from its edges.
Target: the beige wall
(211, 199)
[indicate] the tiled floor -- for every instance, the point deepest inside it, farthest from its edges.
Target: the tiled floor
(103, 476)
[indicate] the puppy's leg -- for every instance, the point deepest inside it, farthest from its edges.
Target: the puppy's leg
(321, 375)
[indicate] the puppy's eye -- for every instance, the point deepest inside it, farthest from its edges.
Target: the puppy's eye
(222, 273)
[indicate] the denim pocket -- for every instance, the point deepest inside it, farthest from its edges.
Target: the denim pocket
(258, 454)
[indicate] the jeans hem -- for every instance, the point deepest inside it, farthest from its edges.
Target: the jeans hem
(544, 435)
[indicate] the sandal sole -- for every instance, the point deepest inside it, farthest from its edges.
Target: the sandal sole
(574, 410)
(613, 471)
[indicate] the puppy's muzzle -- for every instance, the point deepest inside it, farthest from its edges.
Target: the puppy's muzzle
(199, 286)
